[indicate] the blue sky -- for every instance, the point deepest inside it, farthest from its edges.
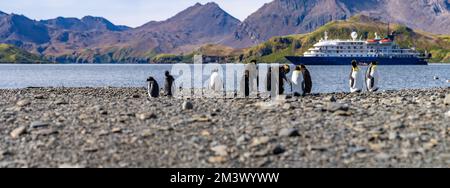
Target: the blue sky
(122, 12)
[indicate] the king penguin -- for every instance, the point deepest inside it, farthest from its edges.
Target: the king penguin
(298, 83)
(168, 85)
(307, 79)
(249, 81)
(269, 79)
(372, 77)
(152, 88)
(282, 77)
(356, 81)
(215, 82)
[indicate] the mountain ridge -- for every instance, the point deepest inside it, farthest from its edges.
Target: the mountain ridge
(282, 17)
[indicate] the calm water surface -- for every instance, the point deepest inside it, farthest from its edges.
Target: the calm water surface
(325, 78)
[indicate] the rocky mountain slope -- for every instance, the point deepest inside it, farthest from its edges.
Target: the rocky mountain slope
(276, 48)
(284, 17)
(11, 54)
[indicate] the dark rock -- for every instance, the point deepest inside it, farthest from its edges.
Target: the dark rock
(331, 99)
(38, 124)
(278, 150)
(187, 105)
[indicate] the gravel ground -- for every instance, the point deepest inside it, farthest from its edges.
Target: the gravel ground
(120, 127)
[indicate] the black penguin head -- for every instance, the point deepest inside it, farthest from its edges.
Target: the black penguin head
(286, 69)
(167, 73)
(253, 61)
(354, 63)
(298, 68)
(150, 79)
(303, 67)
(374, 63)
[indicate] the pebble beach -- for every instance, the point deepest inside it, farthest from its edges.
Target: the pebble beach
(122, 127)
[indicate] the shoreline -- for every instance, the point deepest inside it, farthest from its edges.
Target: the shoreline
(120, 127)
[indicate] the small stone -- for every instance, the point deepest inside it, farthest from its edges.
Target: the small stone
(321, 148)
(282, 97)
(18, 131)
(376, 147)
(205, 133)
(45, 132)
(382, 156)
(342, 113)
(146, 133)
(242, 139)
(146, 116)
(278, 150)
(201, 118)
(393, 135)
(436, 78)
(431, 144)
(262, 153)
(70, 166)
(331, 99)
(38, 124)
(220, 150)
(447, 114)
(39, 97)
(217, 159)
(187, 105)
(116, 130)
(287, 106)
(333, 107)
(23, 103)
(60, 102)
(136, 96)
(447, 100)
(260, 141)
(288, 132)
(103, 133)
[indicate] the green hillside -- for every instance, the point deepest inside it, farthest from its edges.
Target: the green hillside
(11, 54)
(277, 48)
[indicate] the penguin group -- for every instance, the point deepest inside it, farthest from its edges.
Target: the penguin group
(300, 81)
(153, 86)
(357, 79)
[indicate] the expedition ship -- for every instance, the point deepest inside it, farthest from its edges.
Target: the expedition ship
(341, 52)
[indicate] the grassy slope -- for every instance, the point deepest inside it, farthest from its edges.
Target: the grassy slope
(277, 48)
(11, 54)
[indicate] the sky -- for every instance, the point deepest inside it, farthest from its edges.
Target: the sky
(121, 12)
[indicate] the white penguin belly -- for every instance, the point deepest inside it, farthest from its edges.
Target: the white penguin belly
(297, 82)
(357, 82)
(215, 82)
(372, 83)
